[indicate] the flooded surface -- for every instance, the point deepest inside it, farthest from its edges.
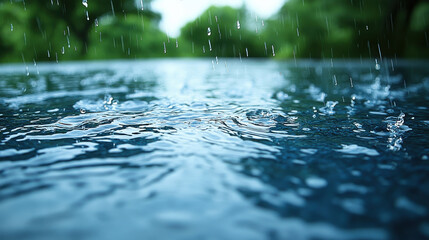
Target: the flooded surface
(202, 149)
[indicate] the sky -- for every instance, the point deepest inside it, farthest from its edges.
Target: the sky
(176, 13)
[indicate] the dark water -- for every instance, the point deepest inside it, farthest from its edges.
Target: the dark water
(200, 149)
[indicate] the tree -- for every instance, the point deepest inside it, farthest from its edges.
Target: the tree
(55, 25)
(223, 32)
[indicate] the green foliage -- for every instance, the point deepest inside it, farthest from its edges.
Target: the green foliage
(223, 32)
(45, 30)
(131, 37)
(347, 29)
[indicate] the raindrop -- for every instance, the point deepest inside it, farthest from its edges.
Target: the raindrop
(165, 49)
(297, 32)
(11, 27)
(377, 65)
(62, 50)
(96, 22)
(247, 53)
(49, 54)
(274, 53)
(379, 52)
(85, 3)
(87, 15)
(238, 24)
(265, 45)
(367, 27)
(210, 46)
(177, 43)
(141, 4)
(209, 31)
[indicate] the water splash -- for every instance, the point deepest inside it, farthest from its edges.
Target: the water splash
(123, 135)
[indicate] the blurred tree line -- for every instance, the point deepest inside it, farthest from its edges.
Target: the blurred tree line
(54, 30)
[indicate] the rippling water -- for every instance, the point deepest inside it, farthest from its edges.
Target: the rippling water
(199, 149)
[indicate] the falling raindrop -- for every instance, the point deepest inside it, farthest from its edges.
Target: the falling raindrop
(265, 46)
(274, 53)
(177, 43)
(165, 49)
(141, 4)
(377, 65)
(96, 22)
(85, 3)
(87, 15)
(11, 27)
(247, 53)
(238, 24)
(209, 31)
(62, 50)
(210, 46)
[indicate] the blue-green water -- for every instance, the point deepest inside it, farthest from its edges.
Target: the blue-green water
(222, 149)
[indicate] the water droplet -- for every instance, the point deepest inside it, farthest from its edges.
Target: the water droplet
(85, 3)
(11, 27)
(210, 46)
(62, 50)
(177, 43)
(165, 48)
(247, 53)
(141, 4)
(377, 65)
(238, 24)
(87, 15)
(96, 22)
(274, 53)
(209, 31)
(367, 27)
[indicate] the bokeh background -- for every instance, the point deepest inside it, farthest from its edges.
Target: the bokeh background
(58, 30)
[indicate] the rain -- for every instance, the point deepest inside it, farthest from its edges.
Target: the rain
(226, 119)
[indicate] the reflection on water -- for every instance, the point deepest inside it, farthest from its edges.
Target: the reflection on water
(236, 150)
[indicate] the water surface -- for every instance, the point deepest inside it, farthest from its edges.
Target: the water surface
(222, 149)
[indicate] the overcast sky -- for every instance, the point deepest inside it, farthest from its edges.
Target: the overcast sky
(176, 13)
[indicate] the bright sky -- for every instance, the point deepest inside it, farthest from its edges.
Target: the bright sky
(176, 13)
